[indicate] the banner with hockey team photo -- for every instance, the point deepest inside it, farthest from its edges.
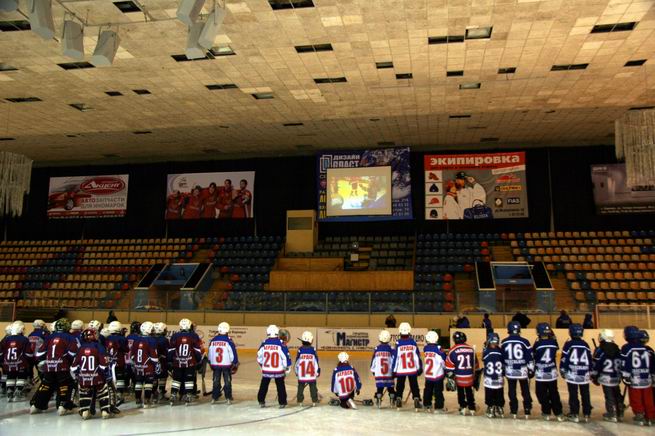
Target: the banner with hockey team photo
(357, 194)
(210, 195)
(475, 186)
(88, 196)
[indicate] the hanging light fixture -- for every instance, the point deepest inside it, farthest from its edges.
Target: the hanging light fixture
(15, 175)
(635, 142)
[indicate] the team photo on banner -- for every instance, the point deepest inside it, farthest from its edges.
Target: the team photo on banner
(475, 186)
(229, 195)
(88, 196)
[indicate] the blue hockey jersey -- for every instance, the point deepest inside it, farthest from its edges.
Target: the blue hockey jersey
(637, 365)
(345, 381)
(406, 358)
(381, 366)
(576, 362)
(494, 370)
(517, 355)
(607, 364)
(545, 359)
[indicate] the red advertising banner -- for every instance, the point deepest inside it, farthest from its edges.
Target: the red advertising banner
(88, 196)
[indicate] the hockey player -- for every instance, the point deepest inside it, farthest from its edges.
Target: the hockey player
(345, 382)
(381, 369)
(3, 377)
(55, 357)
(575, 368)
(435, 361)
(159, 333)
(544, 351)
(76, 329)
(224, 361)
(644, 338)
(135, 331)
(91, 369)
(98, 326)
(636, 371)
(274, 359)
(145, 364)
(462, 365)
(607, 373)
(184, 356)
(307, 369)
(519, 368)
(16, 356)
(407, 364)
(117, 351)
(38, 335)
(494, 371)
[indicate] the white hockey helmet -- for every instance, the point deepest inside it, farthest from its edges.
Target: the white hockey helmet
(307, 336)
(343, 357)
(223, 328)
(146, 328)
(606, 335)
(115, 327)
(404, 328)
(272, 331)
(19, 322)
(17, 328)
(185, 324)
(38, 324)
(432, 337)
(8, 329)
(159, 328)
(384, 336)
(94, 325)
(77, 325)
(105, 332)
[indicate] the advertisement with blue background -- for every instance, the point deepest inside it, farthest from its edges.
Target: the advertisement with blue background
(396, 158)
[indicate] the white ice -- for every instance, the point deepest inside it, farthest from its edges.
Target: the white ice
(245, 417)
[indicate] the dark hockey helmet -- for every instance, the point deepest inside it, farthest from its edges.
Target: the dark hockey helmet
(543, 330)
(493, 339)
(514, 328)
(631, 333)
(89, 335)
(135, 327)
(576, 331)
(459, 337)
(62, 325)
(644, 337)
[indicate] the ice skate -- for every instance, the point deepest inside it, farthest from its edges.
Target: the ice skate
(428, 409)
(571, 417)
(586, 418)
(639, 419)
(173, 399)
(489, 412)
(499, 412)
(188, 399)
(282, 406)
(441, 411)
(417, 405)
(313, 404)
(399, 403)
(378, 400)
(61, 411)
(560, 418)
(106, 414)
(262, 405)
(514, 416)
(527, 413)
(545, 417)
(34, 410)
(472, 412)
(228, 401)
(392, 400)
(10, 397)
(86, 415)
(462, 411)
(351, 404)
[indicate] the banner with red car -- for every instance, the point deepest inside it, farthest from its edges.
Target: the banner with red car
(210, 195)
(88, 196)
(475, 186)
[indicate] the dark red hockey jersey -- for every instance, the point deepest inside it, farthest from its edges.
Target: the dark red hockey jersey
(143, 356)
(117, 350)
(185, 350)
(57, 351)
(90, 366)
(16, 353)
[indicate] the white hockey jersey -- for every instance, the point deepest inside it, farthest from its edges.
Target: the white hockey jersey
(406, 358)
(221, 352)
(381, 366)
(273, 357)
(434, 362)
(345, 381)
(306, 368)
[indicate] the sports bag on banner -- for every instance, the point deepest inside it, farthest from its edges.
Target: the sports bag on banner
(478, 212)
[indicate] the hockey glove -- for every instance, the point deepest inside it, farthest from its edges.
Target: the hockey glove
(357, 392)
(234, 369)
(450, 385)
(562, 373)
(530, 373)
(627, 381)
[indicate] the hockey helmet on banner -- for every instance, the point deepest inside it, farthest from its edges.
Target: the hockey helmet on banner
(404, 328)
(223, 328)
(307, 336)
(186, 325)
(343, 357)
(384, 336)
(272, 331)
(432, 337)
(146, 328)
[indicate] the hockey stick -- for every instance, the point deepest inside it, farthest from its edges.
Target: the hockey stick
(203, 371)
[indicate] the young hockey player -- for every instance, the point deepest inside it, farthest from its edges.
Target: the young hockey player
(407, 364)
(345, 382)
(36, 339)
(636, 371)
(3, 377)
(494, 371)
(184, 357)
(135, 333)
(307, 369)
(76, 329)
(274, 360)
(16, 356)
(644, 338)
(224, 361)
(435, 361)
(575, 368)
(607, 373)
(91, 369)
(55, 357)
(544, 351)
(381, 369)
(145, 364)
(159, 333)
(462, 365)
(117, 351)
(519, 368)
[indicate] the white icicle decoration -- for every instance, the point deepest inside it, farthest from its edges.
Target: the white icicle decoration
(15, 175)
(635, 142)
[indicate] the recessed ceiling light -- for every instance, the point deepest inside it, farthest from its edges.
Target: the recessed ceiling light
(330, 80)
(454, 73)
(114, 93)
(7, 67)
(566, 67)
(614, 27)
(263, 95)
(470, 85)
(277, 5)
(479, 33)
(183, 58)
(222, 50)
(382, 65)
(127, 6)
(507, 70)
(23, 99)
(314, 48)
(635, 63)
(217, 86)
(14, 26)
(75, 65)
(141, 91)
(82, 107)
(402, 76)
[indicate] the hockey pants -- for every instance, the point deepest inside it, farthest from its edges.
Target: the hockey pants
(15, 382)
(281, 390)
(225, 375)
(433, 389)
(88, 395)
(413, 386)
(61, 383)
(525, 393)
(574, 401)
(143, 385)
(641, 401)
(494, 397)
(313, 391)
(465, 397)
(548, 396)
(613, 400)
(184, 377)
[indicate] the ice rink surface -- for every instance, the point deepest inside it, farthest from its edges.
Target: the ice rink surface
(245, 417)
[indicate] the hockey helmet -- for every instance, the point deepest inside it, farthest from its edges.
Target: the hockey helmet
(115, 327)
(186, 324)
(95, 325)
(8, 329)
(432, 337)
(644, 337)
(404, 328)
(543, 330)
(272, 331)
(135, 327)
(223, 328)
(105, 332)
(62, 325)
(77, 325)
(146, 328)
(89, 335)
(606, 335)
(159, 328)
(576, 331)
(384, 336)
(17, 328)
(38, 324)
(307, 336)
(493, 339)
(514, 328)
(631, 333)
(459, 337)
(343, 357)
(284, 335)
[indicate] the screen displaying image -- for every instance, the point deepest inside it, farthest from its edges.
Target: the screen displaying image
(359, 191)
(512, 275)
